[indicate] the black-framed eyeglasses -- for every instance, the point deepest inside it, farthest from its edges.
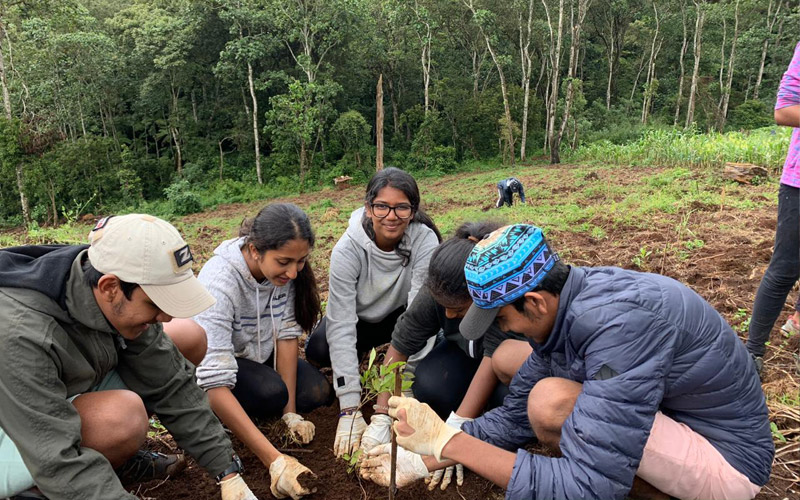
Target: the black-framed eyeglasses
(381, 210)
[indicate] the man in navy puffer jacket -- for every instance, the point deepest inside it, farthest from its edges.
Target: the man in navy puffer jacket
(632, 375)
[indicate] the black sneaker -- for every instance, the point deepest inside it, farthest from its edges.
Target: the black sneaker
(149, 465)
(758, 362)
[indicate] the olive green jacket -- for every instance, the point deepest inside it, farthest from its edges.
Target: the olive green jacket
(48, 354)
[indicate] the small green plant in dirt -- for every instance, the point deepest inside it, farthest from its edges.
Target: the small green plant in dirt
(776, 433)
(157, 429)
(695, 244)
(741, 320)
(375, 380)
(640, 260)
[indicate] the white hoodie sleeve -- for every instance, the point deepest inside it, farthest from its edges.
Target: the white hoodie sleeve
(219, 367)
(341, 321)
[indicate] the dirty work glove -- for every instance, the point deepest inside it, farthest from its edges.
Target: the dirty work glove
(378, 432)
(455, 421)
(236, 489)
(348, 433)
(376, 466)
(285, 474)
(301, 429)
(428, 433)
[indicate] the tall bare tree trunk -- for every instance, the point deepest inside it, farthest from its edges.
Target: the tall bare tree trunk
(3, 77)
(611, 55)
(256, 141)
(771, 19)
(684, 47)
(425, 55)
(698, 45)
(503, 88)
(378, 126)
(572, 70)
(555, 66)
(525, 66)
(23, 199)
(655, 48)
(726, 89)
(177, 141)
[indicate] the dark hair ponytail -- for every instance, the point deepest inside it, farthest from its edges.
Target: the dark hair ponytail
(403, 181)
(273, 227)
(446, 280)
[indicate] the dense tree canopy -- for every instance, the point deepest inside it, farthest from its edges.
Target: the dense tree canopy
(111, 104)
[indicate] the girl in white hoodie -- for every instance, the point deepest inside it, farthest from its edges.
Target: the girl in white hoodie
(376, 269)
(266, 297)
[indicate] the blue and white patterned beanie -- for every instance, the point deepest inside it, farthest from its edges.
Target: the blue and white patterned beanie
(508, 263)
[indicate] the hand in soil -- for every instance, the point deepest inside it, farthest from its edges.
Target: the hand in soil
(300, 429)
(419, 428)
(446, 475)
(236, 489)
(376, 466)
(290, 478)
(348, 434)
(378, 432)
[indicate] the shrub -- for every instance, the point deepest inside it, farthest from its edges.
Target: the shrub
(183, 199)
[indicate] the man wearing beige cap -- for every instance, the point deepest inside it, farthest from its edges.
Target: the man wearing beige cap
(84, 361)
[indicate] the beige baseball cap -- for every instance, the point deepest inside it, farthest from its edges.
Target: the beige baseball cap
(150, 252)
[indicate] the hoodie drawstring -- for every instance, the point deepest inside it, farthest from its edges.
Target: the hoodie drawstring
(258, 322)
(274, 333)
(274, 329)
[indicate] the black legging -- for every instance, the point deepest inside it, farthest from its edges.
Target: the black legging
(443, 377)
(782, 273)
(262, 393)
(368, 335)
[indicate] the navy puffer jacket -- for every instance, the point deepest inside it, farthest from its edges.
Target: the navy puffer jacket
(639, 343)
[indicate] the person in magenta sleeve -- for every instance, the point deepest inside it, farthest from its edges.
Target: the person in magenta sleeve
(784, 267)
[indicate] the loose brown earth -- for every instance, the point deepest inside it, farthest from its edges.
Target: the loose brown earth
(726, 271)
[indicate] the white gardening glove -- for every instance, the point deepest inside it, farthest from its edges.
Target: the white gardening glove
(284, 475)
(301, 429)
(429, 434)
(378, 432)
(376, 466)
(236, 489)
(348, 433)
(455, 421)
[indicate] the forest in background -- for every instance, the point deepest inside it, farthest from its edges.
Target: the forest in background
(170, 106)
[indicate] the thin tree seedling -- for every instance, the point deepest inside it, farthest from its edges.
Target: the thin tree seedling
(375, 380)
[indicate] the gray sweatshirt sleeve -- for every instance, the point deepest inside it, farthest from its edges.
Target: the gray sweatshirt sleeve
(218, 368)
(421, 256)
(341, 322)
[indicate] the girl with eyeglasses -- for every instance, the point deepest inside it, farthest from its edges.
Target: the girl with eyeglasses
(376, 269)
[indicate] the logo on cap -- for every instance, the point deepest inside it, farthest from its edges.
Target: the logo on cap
(102, 223)
(183, 256)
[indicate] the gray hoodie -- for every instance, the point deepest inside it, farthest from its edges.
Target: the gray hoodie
(367, 283)
(245, 318)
